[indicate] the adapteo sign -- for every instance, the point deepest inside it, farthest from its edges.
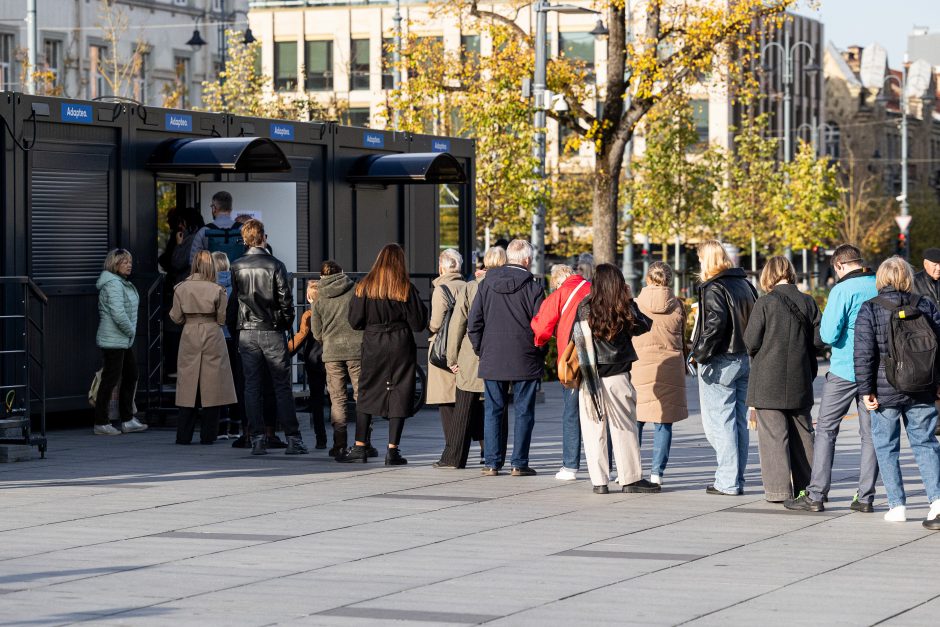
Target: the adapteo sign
(440, 145)
(284, 132)
(178, 122)
(373, 140)
(77, 113)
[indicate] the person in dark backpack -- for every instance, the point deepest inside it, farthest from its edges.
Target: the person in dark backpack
(782, 338)
(223, 234)
(892, 333)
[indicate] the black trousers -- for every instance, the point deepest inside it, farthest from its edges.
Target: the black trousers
(186, 423)
(463, 424)
(364, 429)
(266, 352)
(316, 381)
(119, 363)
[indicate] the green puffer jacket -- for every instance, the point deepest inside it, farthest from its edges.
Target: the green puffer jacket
(330, 320)
(117, 311)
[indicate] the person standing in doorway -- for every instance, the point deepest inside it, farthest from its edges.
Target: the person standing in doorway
(659, 372)
(388, 309)
(837, 328)
(555, 318)
(726, 298)
(500, 331)
(223, 234)
(265, 312)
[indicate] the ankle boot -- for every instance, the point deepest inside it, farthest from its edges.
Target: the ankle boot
(393, 458)
(353, 455)
(258, 445)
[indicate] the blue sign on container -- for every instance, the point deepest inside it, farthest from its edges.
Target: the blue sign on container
(373, 140)
(178, 122)
(72, 112)
(440, 145)
(282, 131)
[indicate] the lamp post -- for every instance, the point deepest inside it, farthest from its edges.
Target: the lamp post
(196, 41)
(788, 52)
(902, 199)
(817, 132)
(542, 98)
(396, 60)
(629, 272)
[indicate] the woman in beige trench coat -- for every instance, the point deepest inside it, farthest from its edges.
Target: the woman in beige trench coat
(659, 375)
(204, 375)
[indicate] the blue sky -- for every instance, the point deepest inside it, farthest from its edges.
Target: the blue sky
(887, 22)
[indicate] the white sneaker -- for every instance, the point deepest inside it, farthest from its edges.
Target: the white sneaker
(133, 425)
(566, 475)
(897, 514)
(106, 430)
(656, 479)
(934, 512)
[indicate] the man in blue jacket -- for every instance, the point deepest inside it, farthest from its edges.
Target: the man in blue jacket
(837, 328)
(499, 330)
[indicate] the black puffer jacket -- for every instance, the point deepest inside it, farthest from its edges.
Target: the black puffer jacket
(261, 287)
(725, 304)
(871, 343)
(499, 325)
(924, 285)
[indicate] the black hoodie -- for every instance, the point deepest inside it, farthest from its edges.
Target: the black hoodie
(499, 325)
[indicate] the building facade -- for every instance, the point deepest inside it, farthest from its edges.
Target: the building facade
(73, 48)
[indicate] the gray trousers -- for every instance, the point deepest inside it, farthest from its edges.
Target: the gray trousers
(785, 443)
(838, 395)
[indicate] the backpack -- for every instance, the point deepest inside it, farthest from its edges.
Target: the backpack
(437, 356)
(911, 363)
(228, 241)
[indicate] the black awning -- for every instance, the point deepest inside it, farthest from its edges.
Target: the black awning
(418, 167)
(218, 154)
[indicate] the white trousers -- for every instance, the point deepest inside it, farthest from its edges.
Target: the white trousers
(620, 406)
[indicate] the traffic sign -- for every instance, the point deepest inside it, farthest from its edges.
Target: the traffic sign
(903, 222)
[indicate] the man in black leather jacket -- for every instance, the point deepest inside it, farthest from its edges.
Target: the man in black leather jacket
(265, 312)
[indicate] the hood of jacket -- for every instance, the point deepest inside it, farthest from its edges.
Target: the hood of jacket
(106, 277)
(657, 299)
(335, 285)
(224, 278)
(447, 277)
(508, 279)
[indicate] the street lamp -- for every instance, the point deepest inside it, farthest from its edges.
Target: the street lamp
(824, 132)
(196, 41)
(904, 223)
(542, 104)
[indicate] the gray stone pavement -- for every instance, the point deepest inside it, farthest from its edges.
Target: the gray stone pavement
(134, 530)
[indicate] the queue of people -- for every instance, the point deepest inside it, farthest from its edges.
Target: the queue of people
(625, 361)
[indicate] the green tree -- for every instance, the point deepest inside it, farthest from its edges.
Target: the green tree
(812, 214)
(675, 182)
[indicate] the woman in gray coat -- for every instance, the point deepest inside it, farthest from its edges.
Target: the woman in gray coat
(782, 337)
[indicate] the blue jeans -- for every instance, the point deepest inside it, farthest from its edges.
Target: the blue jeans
(496, 394)
(570, 431)
(921, 422)
(722, 394)
(662, 442)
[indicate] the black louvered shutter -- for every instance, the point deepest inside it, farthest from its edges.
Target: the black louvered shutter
(303, 227)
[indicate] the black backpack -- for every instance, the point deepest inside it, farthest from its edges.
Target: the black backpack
(228, 241)
(438, 353)
(911, 363)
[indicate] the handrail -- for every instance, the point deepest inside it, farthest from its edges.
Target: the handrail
(37, 292)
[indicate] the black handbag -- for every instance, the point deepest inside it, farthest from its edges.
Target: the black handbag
(437, 355)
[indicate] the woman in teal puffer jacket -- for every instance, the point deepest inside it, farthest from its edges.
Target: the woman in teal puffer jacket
(118, 302)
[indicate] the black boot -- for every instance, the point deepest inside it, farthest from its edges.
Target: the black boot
(258, 446)
(353, 455)
(393, 458)
(295, 446)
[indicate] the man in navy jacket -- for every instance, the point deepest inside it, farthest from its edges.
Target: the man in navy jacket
(500, 333)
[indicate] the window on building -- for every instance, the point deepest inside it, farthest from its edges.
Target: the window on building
(358, 116)
(700, 119)
(319, 64)
(52, 58)
(469, 48)
(578, 47)
(7, 73)
(388, 78)
(181, 3)
(285, 65)
(183, 75)
(359, 64)
(97, 85)
(216, 6)
(140, 81)
(434, 47)
(833, 137)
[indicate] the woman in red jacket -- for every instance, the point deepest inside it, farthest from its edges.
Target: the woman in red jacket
(556, 317)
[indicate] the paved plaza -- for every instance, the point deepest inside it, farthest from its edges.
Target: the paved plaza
(134, 530)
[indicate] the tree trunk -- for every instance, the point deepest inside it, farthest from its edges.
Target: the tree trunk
(607, 167)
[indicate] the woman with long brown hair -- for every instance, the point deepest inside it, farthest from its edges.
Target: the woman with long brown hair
(388, 309)
(603, 332)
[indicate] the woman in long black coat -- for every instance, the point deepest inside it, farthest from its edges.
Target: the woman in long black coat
(386, 306)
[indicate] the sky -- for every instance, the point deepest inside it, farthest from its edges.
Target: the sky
(862, 22)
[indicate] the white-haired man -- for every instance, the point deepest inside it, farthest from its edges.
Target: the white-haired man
(500, 333)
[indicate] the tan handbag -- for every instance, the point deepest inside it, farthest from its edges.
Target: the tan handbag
(569, 368)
